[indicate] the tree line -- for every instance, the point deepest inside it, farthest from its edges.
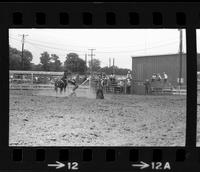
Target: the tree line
(51, 62)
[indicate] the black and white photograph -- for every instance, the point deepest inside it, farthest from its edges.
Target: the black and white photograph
(198, 86)
(98, 87)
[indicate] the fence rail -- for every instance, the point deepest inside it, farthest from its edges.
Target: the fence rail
(37, 86)
(35, 72)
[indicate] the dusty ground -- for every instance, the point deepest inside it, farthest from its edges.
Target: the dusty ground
(37, 119)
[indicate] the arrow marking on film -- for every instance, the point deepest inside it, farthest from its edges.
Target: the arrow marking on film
(142, 165)
(57, 165)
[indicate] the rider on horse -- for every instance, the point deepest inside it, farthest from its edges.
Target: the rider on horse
(62, 83)
(64, 77)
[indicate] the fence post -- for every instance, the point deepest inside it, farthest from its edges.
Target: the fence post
(125, 85)
(32, 80)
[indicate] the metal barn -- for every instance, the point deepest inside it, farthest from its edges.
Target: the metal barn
(144, 66)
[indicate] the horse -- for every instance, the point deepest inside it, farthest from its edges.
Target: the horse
(62, 84)
(74, 83)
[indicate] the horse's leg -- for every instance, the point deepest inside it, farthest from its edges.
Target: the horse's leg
(65, 88)
(56, 89)
(75, 87)
(61, 88)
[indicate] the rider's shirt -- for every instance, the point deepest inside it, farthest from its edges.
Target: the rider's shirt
(165, 76)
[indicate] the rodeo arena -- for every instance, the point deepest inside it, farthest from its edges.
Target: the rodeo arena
(146, 107)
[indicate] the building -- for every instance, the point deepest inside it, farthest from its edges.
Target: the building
(144, 66)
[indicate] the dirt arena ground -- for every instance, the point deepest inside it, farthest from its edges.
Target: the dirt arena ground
(39, 118)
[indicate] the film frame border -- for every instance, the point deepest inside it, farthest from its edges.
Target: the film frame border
(103, 15)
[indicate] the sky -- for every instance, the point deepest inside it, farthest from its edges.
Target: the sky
(120, 44)
(198, 40)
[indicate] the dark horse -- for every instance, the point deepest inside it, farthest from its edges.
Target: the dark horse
(62, 84)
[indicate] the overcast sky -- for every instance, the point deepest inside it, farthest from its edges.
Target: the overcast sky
(120, 44)
(198, 40)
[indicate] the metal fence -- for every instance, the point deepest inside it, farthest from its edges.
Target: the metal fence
(23, 80)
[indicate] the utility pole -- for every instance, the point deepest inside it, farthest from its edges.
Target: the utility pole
(91, 55)
(180, 54)
(86, 62)
(113, 65)
(22, 58)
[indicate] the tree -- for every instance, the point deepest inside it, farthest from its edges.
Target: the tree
(45, 61)
(16, 62)
(117, 71)
(14, 59)
(36, 67)
(75, 64)
(95, 64)
(55, 64)
(28, 57)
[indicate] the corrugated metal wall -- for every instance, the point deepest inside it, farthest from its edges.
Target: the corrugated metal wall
(145, 66)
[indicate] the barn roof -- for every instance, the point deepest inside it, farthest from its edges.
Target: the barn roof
(160, 55)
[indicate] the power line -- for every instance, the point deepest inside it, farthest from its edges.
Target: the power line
(42, 43)
(63, 50)
(102, 52)
(131, 51)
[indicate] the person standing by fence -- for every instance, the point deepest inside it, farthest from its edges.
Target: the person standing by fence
(112, 78)
(99, 92)
(159, 77)
(153, 77)
(128, 83)
(147, 86)
(121, 85)
(165, 77)
(128, 76)
(128, 86)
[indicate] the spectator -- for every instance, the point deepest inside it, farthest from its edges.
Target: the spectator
(105, 79)
(112, 77)
(36, 79)
(165, 76)
(158, 77)
(128, 76)
(99, 92)
(153, 78)
(147, 87)
(128, 86)
(121, 85)
(11, 76)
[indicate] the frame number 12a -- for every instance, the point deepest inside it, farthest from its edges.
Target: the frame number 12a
(153, 165)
